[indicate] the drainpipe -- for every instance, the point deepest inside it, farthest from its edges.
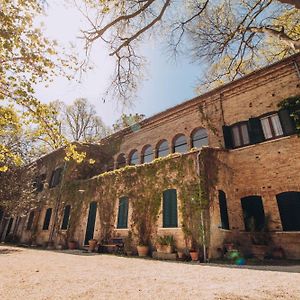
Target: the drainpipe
(297, 68)
(201, 215)
(57, 205)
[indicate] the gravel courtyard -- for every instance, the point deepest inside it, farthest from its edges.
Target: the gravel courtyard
(37, 274)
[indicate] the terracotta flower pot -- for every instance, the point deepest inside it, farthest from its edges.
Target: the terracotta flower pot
(229, 246)
(194, 255)
(92, 245)
(72, 245)
(180, 254)
(164, 249)
(142, 250)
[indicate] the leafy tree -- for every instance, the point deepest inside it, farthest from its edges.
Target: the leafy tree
(231, 37)
(27, 57)
(82, 122)
(130, 120)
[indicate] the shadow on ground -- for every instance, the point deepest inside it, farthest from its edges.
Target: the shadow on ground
(8, 251)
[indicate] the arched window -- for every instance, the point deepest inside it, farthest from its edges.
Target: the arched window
(121, 161)
(289, 210)
(110, 165)
(163, 149)
(180, 144)
(147, 154)
(134, 158)
(223, 210)
(253, 212)
(199, 138)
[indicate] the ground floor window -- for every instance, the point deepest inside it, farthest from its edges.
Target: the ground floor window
(30, 220)
(289, 210)
(65, 222)
(223, 210)
(47, 219)
(253, 212)
(170, 208)
(123, 213)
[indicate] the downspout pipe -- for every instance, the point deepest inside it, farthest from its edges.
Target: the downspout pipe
(201, 214)
(297, 68)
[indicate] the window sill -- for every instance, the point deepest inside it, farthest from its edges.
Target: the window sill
(169, 228)
(261, 143)
(288, 232)
(225, 230)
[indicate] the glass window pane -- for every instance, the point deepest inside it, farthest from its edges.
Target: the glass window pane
(148, 155)
(245, 135)
(266, 128)
(276, 125)
(200, 138)
(121, 161)
(163, 149)
(180, 144)
(236, 136)
(134, 159)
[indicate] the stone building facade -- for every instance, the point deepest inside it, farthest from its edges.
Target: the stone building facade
(233, 152)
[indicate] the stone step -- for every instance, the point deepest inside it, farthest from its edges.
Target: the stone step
(164, 256)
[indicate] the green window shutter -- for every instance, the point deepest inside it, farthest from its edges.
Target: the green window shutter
(288, 125)
(256, 134)
(123, 213)
(47, 219)
(66, 217)
(30, 220)
(227, 137)
(170, 208)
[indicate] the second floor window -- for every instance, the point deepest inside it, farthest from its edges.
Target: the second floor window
(55, 178)
(271, 126)
(240, 135)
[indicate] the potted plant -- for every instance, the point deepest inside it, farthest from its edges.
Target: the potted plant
(165, 243)
(72, 245)
(92, 245)
(180, 254)
(142, 250)
(128, 243)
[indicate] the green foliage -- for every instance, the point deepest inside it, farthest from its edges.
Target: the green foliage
(166, 240)
(144, 185)
(128, 121)
(292, 104)
(27, 57)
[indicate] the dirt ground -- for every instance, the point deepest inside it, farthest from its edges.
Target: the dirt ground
(39, 274)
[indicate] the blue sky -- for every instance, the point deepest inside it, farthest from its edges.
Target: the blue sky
(168, 82)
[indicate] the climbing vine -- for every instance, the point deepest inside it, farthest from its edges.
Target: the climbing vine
(144, 185)
(292, 104)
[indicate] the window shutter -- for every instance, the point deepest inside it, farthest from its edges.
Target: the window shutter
(47, 219)
(255, 131)
(170, 208)
(227, 137)
(123, 213)
(66, 217)
(166, 209)
(30, 220)
(287, 123)
(173, 217)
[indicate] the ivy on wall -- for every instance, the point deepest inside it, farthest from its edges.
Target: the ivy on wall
(292, 104)
(144, 185)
